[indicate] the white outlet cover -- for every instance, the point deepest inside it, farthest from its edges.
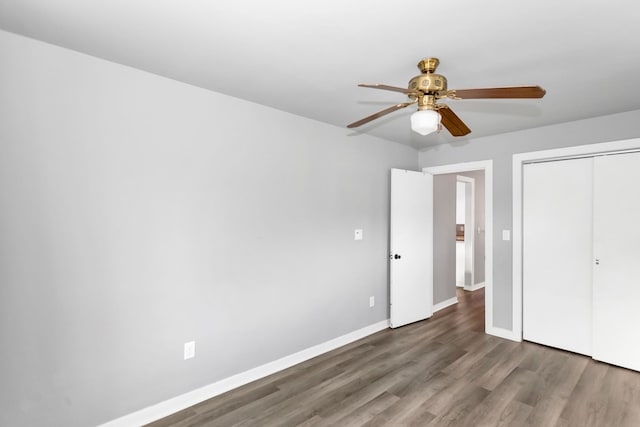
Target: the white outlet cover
(357, 234)
(506, 235)
(189, 350)
(372, 301)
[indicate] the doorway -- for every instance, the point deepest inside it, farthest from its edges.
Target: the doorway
(485, 166)
(458, 238)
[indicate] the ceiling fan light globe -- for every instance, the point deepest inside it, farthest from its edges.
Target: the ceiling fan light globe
(425, 122)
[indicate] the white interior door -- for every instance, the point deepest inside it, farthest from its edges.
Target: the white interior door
(469, 231)
(616, 289)
(461, 245)
(411, 244)
(557, 254)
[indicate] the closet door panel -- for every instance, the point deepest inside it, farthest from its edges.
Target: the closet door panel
(557, 254)
(616, 286)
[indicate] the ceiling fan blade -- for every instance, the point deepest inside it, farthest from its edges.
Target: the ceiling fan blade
(392, 88)
(498, 92)
(380, 114)
(452, 122)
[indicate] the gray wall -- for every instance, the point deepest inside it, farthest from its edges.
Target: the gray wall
(479, 238)
(444, 237)
(501, 148)
(139, 213)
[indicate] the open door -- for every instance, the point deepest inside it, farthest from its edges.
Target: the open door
(411, 244)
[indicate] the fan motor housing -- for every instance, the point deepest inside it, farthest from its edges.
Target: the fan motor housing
(428, 83)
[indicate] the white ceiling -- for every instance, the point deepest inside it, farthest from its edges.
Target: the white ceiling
(306, 57)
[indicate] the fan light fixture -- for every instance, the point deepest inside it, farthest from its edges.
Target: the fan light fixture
(425, 121)
(428, 88)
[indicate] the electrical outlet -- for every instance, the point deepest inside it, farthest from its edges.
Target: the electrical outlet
(372, 301)
(189, 350)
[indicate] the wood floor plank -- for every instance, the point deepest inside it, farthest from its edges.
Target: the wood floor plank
(450, 396)
(505, 364)
(438, 372)
(458, 405)
(497, 408)
(623, 399)
(559, 377)
(231, 401)
(514, 414)
(364, 413)
(359, 390)
(424, 378)
(587, 406)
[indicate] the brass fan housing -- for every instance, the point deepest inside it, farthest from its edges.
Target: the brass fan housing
(428, 65)
(428, 82)
(427, 102)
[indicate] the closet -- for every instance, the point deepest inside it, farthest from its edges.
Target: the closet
(581, 256)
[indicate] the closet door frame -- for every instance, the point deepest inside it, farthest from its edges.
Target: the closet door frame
(518, 163)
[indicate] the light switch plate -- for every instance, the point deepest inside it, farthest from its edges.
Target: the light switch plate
(189, 350)
(506, 234)
(357, 235)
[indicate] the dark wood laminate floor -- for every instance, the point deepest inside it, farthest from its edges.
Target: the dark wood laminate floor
(440, 372)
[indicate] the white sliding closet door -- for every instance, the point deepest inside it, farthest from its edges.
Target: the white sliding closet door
(557, 254)
(616, 290)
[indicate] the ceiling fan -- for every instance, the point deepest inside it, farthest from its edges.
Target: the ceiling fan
(427, 88)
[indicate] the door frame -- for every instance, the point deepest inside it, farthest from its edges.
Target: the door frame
(487, 167)
(519, 160)
(469, 225)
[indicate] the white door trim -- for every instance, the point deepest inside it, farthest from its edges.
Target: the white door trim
(537, 156)
(487, 167)
(470, 225)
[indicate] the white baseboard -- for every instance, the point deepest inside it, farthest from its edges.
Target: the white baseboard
(178, 403)
(503, 333)
(474, 287)
(444, 304)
